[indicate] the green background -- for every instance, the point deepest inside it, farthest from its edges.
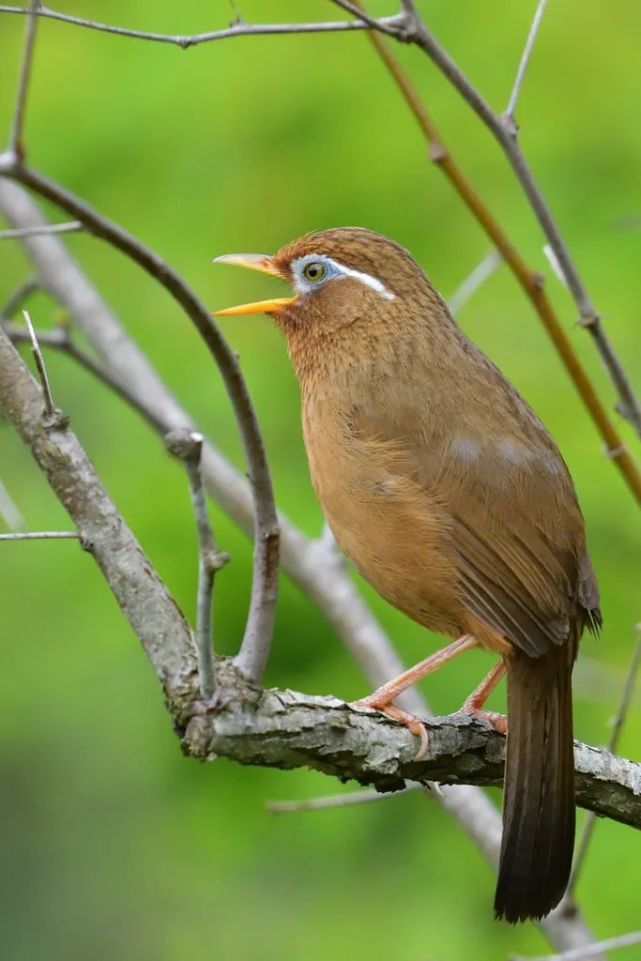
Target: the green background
(113, 845)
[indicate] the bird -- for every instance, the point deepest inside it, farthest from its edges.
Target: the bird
(450, 497)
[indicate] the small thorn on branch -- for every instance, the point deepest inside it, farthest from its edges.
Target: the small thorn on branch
(50, 407)
(187, 445)
(508, 119)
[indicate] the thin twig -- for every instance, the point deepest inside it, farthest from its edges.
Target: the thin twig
(338, 800)
(40, 364)
(40, 536)
(528, 279)
(617, 728)
(256, 643)
(9, 511)
(474, 280)
(18, 297)
(68, 228)
(237, 29)
(187, 446)
(629, 405)
(60, 339)
(589, 951)
(523, 63)
(16, 145)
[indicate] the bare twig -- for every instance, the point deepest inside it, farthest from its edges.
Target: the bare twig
(629, 405)
(40, 364)
(258, 633)
(60, 339)
(187, 446)
(40, 536)
(319, 572)
(16, 145)
(18, 297)
(617, 728)
(474, 280)
(589, 951)
(528, 279)
(68, 228)
(237, 29)
(337, 800)
(523, 63)
(9, 512)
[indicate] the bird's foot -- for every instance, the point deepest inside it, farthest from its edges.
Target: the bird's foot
(413, 723)
(474, 703)
(496, 720)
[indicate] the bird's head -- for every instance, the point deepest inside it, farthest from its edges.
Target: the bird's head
(339, 277)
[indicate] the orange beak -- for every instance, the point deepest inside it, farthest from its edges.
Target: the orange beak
(264, 264)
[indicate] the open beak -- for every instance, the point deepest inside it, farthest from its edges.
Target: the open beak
(265, 265)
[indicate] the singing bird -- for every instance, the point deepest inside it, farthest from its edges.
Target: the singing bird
(451, 498)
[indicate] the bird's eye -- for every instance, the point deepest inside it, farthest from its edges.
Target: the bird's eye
(314, 272)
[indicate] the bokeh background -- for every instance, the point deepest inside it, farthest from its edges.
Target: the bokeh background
(113, 845)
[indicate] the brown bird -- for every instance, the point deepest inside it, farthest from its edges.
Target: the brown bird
(453, 501)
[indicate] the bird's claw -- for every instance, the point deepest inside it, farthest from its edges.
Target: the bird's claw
(413, 723)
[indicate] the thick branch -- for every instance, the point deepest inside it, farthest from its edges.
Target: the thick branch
(286, 729)
(142, 596)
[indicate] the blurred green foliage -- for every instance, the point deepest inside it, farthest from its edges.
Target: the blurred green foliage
(114, 846)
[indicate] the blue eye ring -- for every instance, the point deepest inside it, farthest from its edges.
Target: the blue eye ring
(314, 271)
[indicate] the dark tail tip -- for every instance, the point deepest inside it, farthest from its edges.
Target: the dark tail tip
(539, 806)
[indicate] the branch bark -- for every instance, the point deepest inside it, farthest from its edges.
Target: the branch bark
(287, 729)
(142, 596)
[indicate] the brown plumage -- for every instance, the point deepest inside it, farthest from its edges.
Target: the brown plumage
(453, 501)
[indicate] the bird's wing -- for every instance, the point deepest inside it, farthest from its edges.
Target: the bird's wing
(517, 533)
(509, 513)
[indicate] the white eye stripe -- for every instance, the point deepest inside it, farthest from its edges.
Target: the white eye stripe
(369, 281)
(335, 270)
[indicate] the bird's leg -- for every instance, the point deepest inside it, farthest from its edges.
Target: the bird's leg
(381, 699)
(474, 703)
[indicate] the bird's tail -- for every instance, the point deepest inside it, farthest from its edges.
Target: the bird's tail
(539, 806)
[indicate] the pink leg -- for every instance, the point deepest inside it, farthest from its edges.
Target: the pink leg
(381, 699)
(474, 703)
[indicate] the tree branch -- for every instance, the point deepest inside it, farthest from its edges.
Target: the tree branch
(259, 629)
(287, 729)
(597, 949)
(40, 536)
(505, 134)
(187, 446)
(142, 596)
(16, 146)
(508, 116)
(69, 228)
(529, 280)
(237, 29)
(613, 744)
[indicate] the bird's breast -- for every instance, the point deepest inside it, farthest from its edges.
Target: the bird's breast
(391, 527)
